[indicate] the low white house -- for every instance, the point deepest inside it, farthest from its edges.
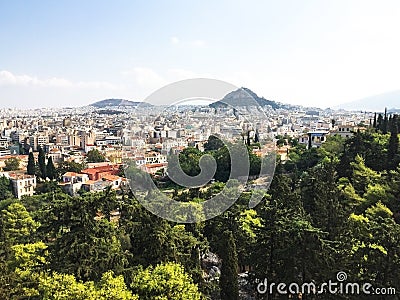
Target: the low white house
(72, 182)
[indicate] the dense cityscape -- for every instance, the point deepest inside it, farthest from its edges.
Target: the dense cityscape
(63, 180)
(199, 150)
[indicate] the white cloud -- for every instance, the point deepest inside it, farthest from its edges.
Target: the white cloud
(146, 77)
(9, 79)
(174, 40)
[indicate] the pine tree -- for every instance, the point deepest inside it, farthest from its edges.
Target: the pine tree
(228, 281)
(50, 169)
(42, 163)
(31, 164)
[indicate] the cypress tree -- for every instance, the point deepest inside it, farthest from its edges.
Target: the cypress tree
(375, 121)
(228, 281)
(256, 138)
(31, 164)
(50, 169)
(248, 138)
(380, 122)
(42, 163)
(393, 147)
(385, 123)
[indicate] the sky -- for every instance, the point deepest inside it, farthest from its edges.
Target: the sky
(314, 53)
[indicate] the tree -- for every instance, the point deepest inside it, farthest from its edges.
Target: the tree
(11, 164)
(362, 175)
(165, 282)
(31, 164)
(42, 163)
(379, 122)
(17, 225)
(57, 286)
(95, 156)
(5, 188)
(17, 255)
(213, 143)
(69, 166)
(228, 281)
(83, 244)
(50, 169)
(385, 123)
(393, 147)
(256, 137)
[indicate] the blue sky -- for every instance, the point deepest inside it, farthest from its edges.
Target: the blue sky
(321, 53)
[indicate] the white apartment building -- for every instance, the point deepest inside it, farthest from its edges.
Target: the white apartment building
(23, 185)
(346, 131)
(38, 140)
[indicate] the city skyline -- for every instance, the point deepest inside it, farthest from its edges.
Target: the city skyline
(68, 54)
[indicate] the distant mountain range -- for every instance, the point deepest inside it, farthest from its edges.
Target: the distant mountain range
(117, 102)
(246, 97)
(378, 103)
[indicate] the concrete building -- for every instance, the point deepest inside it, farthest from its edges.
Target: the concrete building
(23, 185)
(72, 182)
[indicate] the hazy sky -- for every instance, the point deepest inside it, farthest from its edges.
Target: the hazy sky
(71, 53)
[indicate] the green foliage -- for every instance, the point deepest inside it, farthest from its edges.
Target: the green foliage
(42, 163)
(213, 143)
(11, 164)
(330, 209)
(50, 169)
(164, 282)
(228, 280)
(333, 146)
(69, 166)
(362, 175)
(64, 287)
(82, 243)
(189, 161)
(17, 224)
(95, 156)
(30, 169)
(5, 188)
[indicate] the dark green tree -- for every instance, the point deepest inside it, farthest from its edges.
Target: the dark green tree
(393, 147)
(5, 188)
(385, 125)
(69, 166)
(213, 143)
(50, 169)
(83, 241)
(31, 164)
(42, 163)
(379, 123)
(228, 281)
(256, 137)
